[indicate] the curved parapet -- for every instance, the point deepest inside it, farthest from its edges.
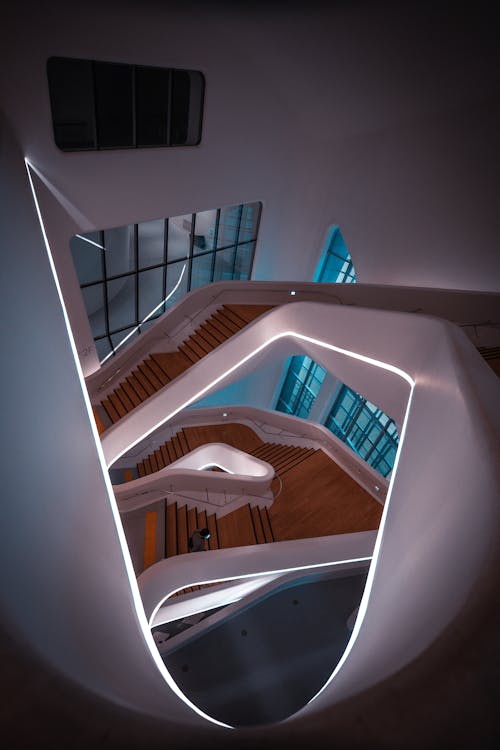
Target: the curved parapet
(242, 473)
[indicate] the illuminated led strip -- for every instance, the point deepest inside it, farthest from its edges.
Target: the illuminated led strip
(146, 631)
(147, 316)
(91, 242)
(119, 528)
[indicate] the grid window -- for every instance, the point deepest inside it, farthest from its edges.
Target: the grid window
(335, 266)
(301, 386)
(102, 105)
(131, 275)
(365, 428)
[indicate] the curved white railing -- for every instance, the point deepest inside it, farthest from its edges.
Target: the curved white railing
(269, 426)
(161, 580)
(243, 474)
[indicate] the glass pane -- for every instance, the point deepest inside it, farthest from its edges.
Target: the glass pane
(113, 97)
(179, 237)
(201, 273)
(244, 258)
(180, 107)
(204, 231)
(177, 278)
(150, 291)
(119, 254)
(151, 106)
(196, 94)
(228, 226)
(103, 348)
(150, 238)
(87, 257)
(249, 222)
(224, 261)
(94, 304)
(72, 103)
(121, 303)
(118, 338)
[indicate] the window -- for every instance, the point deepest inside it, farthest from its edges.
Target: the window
(130, 275)
(335, 266)
(101, 105)
(301, 386)
(365, 428)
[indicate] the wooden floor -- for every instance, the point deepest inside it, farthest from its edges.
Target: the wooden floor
(319, 499)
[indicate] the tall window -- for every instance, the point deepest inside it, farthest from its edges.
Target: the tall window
(301, 386)
(335, 266)
(130, 275)
(365, 428)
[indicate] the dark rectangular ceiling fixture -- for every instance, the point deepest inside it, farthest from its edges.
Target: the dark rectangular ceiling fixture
(101, 105)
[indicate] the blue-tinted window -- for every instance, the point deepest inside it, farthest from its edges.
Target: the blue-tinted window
(336, 264)
(365, 428)
(301, 386)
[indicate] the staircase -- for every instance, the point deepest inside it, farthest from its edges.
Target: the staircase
(245, 526)
(160, 368)
(281, 457)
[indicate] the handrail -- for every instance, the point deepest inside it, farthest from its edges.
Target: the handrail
(209, 501)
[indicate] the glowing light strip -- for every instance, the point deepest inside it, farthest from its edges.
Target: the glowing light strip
(245, 359)
(147, 316)
(136, 597)
(91, 242)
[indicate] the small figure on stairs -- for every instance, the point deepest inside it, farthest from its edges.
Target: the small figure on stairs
(197, 540)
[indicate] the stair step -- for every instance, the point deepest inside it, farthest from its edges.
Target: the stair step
(236, 528)
(172, 363)
(159, 459)
(203, 332)
(144, 382)
(190, 353)
(158, 371)
(119, 408)
(170, 529)
(266, 525)
(199, 347)
(257, 524)
(182, 531)
(150, 539)
(224, 324)
(149, 374)
(214, 332)
(125, 400)
(297, 460)
(164, 454)
(214, 532)
(131, 394)
(183, 442)
(137, 387)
